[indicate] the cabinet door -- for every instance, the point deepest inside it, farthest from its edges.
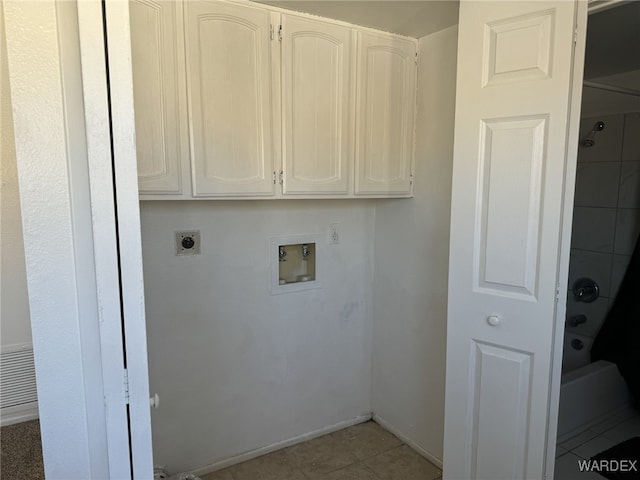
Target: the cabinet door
(385, 119)
(229, 50)
(316, 85)
(158, 89)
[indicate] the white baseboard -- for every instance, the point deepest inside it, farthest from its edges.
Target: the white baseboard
(18, 414)
(243, 457)
(428, 455)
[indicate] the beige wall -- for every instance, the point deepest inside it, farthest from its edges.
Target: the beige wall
(15, 326)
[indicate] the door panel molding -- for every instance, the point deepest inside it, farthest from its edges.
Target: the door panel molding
(229, 56)
(509, 222)
(505, 64)
(491, 367)
(318, 69)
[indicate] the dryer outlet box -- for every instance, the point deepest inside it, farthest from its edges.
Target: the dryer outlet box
(188, 243)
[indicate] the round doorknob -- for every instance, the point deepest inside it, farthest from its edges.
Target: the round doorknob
(493, 320)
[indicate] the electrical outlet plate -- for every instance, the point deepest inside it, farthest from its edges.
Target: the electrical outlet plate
(188, 243)
(334, 234)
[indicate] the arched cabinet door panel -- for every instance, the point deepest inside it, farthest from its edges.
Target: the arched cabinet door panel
(385, 117)
(317, 74)
(158, 86)
(229, 53)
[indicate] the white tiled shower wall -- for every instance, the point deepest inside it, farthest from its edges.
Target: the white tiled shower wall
(606, 220)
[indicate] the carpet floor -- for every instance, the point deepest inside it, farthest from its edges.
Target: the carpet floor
(21, 451)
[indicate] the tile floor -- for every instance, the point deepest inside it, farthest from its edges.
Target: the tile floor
(362, 452)
(619, 427)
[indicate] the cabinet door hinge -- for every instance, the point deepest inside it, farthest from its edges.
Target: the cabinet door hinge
(416, 59)
(280, 33)
(274, 177)
(271, 32)
(281, 175)
(575, 36)
(411, 179)
(126, 386)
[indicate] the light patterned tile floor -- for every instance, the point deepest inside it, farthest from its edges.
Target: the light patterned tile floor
(361, 452)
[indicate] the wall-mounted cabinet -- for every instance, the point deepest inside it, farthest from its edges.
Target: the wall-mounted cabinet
(230, 85)
(159, 97)
(386, 110)
(317, 72)
(281, 105)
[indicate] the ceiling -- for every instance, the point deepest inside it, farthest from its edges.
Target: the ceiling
(613, 35)
(414, 18)
(596, 101)
(613, 47)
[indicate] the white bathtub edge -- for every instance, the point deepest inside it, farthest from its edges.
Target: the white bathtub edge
(589, 395)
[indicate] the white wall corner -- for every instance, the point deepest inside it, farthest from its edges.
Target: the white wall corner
(411, 266)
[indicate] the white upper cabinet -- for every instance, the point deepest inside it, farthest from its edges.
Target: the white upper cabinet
(385, 117)
(317, 72)
(160, 110)
(229, 57)
(240, 100)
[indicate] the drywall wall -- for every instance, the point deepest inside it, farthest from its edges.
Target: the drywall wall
(411, 266)
(238, 368)
(15, 326)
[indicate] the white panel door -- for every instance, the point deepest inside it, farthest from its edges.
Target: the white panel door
(158, 87)
(317, 70)
(230, 90)
(511, 134)
(387, 67)
(129, 248)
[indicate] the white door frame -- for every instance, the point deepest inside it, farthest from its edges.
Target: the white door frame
(129, 430)
(584, 9)
(53, 175)
(566, 228)
(63, 150)
(129, 240)
(110, 124)
(105, 240)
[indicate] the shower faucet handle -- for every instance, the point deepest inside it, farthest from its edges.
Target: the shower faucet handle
(585, 290)
(576, 320)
